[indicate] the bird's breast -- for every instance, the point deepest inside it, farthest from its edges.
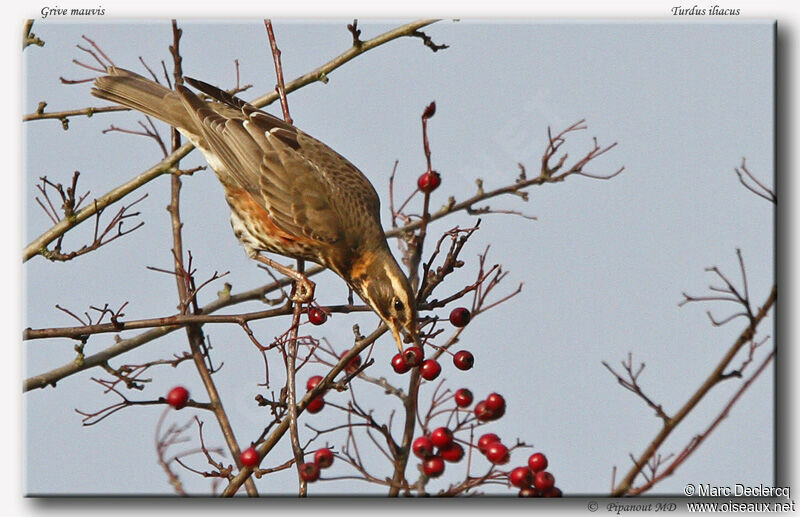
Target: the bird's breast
(256, 230)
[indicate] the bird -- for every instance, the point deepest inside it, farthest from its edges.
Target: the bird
(288, 193)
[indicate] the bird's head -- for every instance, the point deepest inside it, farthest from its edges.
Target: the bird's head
(384, 287)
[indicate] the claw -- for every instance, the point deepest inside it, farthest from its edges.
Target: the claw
(302, 287)
(303, 290)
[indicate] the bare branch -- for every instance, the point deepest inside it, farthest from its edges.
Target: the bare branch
(631, 384)
(28, 37)
(759, 189)
(716, 376)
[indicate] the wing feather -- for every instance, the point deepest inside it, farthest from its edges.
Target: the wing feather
(306, 188)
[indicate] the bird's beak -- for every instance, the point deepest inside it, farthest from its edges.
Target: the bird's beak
(405, 335)
(397, 337)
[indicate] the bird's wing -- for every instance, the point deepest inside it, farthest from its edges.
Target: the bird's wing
(306, 187)
(305, 181)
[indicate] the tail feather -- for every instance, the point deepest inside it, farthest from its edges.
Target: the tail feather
(218, 94)
(142, 94)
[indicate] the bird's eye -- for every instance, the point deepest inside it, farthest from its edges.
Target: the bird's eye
(398, 305)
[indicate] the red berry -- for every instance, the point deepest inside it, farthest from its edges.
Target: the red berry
(543, 480)
(399, 363)
(499, 413)
(323, 458)
(317, 316)
(429, 181)
(459, 317)
(463, 360)
(537, 462)
(521, 477)
(452, 453)
(433, 466)
(309, 472)
(316, 404)
(497, 453)
(553, 491)
(442, 437)
(486, 440)
(463, 397)
(354, 363)
(249, 457)
(312, 382)
(430, 369)
(482, 412)
(422, 447)
(495, 402)
(178, 397)
(413, 356)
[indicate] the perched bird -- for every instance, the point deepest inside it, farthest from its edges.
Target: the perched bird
(288, 192)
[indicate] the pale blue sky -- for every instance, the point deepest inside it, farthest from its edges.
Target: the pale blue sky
(604, 266)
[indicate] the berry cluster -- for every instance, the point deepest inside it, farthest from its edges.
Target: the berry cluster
(490, 446)
(492, 408)
(439, 446)
(430, 369)
(446, 449)
(318, 402)
(533, 480)
(413, 356)
(309, 471)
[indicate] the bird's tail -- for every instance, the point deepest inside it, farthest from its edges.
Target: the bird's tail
(137, 92)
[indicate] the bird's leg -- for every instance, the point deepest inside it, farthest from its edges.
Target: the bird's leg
(303, 288)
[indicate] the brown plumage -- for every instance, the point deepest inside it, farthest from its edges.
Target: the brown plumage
(288, 192)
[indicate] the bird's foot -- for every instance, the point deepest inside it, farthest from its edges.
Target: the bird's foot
(302, 289)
